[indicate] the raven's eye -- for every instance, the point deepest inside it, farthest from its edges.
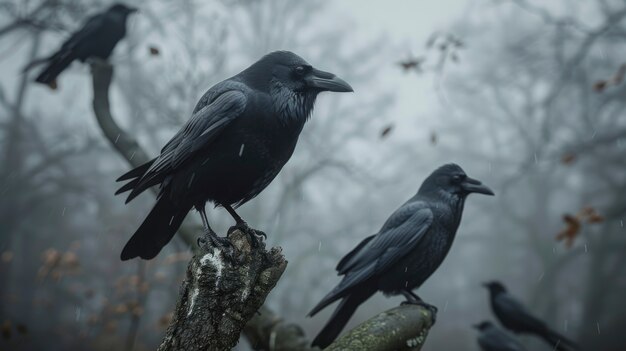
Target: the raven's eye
(457, 178)
(300, 70)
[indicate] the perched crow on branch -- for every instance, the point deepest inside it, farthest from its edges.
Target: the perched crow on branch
(97, 38)
(240, 135)
(492, 338)
(405, 252)
(515, 317)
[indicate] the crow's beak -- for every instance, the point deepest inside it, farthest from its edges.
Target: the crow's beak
(474, 186)
(327, 81)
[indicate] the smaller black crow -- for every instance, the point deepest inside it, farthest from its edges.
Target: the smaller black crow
(515, 317)
(492, 338)
(405, 252)
(97, 38)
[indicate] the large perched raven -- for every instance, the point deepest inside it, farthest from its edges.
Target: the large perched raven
(405, 252)
(515, 317)
(97, 38)
(492, 338)
(240, 135)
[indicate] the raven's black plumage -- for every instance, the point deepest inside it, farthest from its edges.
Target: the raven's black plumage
(240, 135)
(515, 317)
(405, 252)
(97, 38)
(492, 338)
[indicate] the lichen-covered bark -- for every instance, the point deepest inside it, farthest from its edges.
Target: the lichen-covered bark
(219, 295)
(402, 328)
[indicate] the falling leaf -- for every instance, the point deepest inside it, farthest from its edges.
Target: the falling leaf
(568, 159)
(571, 230)
(53, 85)
(412, 64)
(385, 132)
(154, 51)
(433, 138)
(599, 86)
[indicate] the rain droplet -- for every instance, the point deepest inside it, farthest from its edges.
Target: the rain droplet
(541, 276)
(132, 156)
(319, 247)
(63, 212)
(598, 325)
(241, 149)
(116, 139)
(77, 313)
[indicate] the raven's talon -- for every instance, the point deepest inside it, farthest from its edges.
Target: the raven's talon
(255, 235)
(433, 309)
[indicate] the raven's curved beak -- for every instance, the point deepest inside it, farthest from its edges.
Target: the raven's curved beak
(327, 81)
(474, 186)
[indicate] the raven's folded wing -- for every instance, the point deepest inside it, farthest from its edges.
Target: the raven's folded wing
(380, 252)
(197, 134)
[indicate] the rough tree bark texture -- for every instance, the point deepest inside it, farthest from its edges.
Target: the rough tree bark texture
(220, 298)
(219, 295)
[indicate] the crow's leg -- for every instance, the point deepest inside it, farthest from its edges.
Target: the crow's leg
(413, 299)
(255, 235)
(211, 239)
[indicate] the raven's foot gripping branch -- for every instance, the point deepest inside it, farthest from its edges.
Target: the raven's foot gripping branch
(219, 296)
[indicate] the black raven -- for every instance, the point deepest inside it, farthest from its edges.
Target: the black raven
(97, 38)
(515, 317)
(240, 135)
(405, 252)
(492, 338)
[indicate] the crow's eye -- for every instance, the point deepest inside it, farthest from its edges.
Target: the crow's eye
(457, 178)
(299, 70)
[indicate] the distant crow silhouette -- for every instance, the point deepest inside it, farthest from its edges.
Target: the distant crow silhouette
(97, 38)
(515, 317)
(239, 137)
(405, 252)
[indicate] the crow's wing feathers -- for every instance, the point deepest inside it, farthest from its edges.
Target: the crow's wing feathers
(389, 246)
(198, 133)
(341, 266)
(516, 313)
(93, 24)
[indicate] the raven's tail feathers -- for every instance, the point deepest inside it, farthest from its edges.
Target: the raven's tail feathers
(136, 172)
(341, 316)
(558, 341)
(338, 320)
(156, 230)
(57, 63)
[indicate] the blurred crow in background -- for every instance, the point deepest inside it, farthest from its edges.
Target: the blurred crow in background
(97, 38)
(405, 252)
(515, 317)
(240, 135)
(492, 338)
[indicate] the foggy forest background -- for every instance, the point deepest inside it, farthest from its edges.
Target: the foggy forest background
(524, 95)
